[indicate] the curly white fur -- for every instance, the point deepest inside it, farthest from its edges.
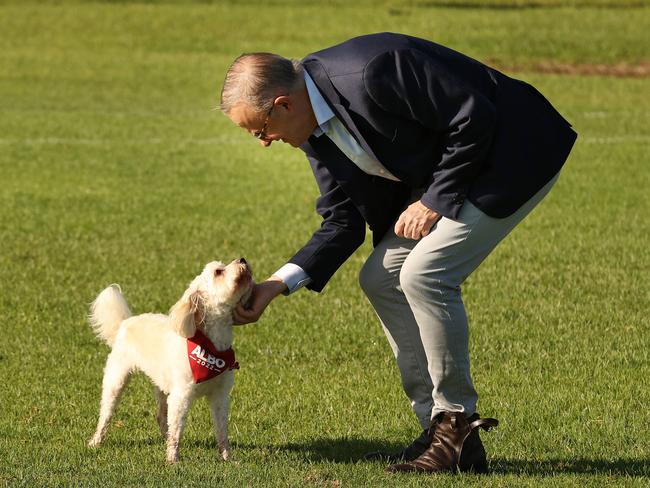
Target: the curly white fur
(156, 345)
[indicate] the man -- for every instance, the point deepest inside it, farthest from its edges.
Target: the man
(442, 157)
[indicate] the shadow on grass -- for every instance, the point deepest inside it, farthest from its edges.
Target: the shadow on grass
(352, 450)
(551, 467)
(529, 4)
(345, 450)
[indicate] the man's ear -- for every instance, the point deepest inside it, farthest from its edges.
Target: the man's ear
(284, 101)
(187, 314)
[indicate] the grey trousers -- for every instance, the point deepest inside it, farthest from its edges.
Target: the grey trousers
(415, 288)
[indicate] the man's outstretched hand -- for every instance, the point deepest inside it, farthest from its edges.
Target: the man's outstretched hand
(416, 221)
(262, 295)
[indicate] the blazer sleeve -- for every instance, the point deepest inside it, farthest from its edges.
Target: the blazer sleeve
(411, 84)
(342, 231)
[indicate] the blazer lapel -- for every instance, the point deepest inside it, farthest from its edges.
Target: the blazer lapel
(333, 98)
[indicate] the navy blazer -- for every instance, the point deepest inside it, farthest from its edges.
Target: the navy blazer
(437, 120)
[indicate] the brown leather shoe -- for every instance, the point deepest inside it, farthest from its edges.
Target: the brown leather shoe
(409, 453)
(455, 446)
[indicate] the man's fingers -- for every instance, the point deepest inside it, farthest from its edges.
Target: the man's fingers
(413, 230)
(238, 319)
(409, 227)
(243, 316)
(414, 226)
(399, 228)
(416, 221)
(427, 227)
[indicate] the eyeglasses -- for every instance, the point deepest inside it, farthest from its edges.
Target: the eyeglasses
(261, 134)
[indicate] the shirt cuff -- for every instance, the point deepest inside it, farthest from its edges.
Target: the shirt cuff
(293, 276)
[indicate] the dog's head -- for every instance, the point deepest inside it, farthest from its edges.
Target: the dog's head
(226, 284)
(218, 289)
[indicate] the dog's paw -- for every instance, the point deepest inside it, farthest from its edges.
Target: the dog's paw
(172, 451)
(94, 443)
(227, 457)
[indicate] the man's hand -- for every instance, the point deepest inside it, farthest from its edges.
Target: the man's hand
(262, 295)
(416, 221)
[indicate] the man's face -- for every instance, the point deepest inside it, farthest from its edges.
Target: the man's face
(288, 121)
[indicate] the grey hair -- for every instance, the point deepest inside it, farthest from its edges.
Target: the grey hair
(256, 79)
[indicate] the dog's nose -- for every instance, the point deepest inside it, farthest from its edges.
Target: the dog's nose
(241, 261)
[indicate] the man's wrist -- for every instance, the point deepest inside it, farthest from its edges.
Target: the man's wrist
(293, 276)
(276, 285)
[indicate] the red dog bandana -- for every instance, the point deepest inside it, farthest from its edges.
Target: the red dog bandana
(206, 362)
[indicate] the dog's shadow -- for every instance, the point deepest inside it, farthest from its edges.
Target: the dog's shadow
(352, 450)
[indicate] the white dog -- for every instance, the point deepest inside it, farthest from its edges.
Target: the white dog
(186, 354)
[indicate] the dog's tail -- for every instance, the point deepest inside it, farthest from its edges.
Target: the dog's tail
(107, 313)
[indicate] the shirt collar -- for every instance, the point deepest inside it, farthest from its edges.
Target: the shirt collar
(322, 111)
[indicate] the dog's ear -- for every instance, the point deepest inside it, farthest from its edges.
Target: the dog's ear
(187, 314)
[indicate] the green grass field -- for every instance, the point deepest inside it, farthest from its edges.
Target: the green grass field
(114, 168)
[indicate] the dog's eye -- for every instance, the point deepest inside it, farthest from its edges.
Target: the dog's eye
(218, 271)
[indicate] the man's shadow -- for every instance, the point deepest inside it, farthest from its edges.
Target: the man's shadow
(351, 450)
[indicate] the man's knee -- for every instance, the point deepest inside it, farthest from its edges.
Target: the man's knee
(373, 278)
(418, 281)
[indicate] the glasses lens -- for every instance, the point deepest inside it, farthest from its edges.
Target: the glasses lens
(261, 134)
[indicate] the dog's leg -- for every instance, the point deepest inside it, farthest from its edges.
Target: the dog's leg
(219, 407)
(219, 410)
(178, 404)
(161, 416)
(116, 374)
